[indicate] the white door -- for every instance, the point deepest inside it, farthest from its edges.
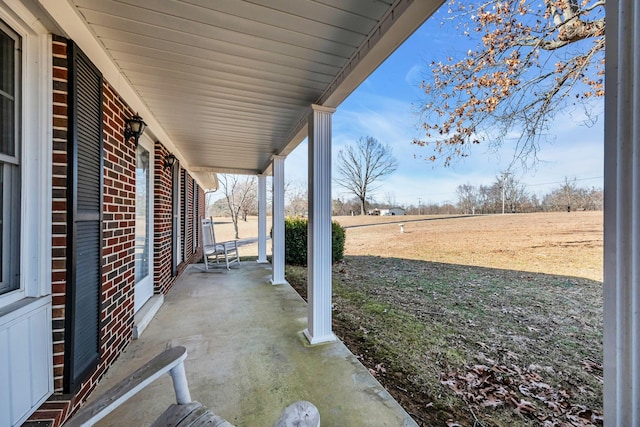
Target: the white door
(144, 223)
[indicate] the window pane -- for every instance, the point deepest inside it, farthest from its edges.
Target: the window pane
(1, 223)
(9, 227)
(142, 214)
(7, 55)
(7, 94)
(7, 126)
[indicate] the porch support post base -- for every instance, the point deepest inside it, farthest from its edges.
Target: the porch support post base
(319, 339)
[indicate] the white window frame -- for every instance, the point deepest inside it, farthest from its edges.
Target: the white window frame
(10, 171)
(35, 153)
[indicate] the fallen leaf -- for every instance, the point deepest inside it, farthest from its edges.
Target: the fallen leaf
(524, 407)
(492, 402)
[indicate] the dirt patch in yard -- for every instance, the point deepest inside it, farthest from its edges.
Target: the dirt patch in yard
(493, 321)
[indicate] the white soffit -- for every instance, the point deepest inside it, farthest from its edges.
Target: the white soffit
(230, 82)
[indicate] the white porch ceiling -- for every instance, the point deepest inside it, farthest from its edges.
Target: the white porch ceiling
(231, 82)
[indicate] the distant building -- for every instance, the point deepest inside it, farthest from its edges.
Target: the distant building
(387, 212)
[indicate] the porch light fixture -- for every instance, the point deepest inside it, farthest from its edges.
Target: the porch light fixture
(169, 161)
(133, 128)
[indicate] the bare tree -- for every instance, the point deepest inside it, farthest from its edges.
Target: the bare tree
(298, 204)
(362, 164)
(514, 193)
(568, 196)
(467, 198)
(240, 194)
(533, 58)
(390, 200)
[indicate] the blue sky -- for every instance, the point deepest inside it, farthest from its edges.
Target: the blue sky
(383, 107)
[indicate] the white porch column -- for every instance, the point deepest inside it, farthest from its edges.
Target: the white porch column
(277, 220)
(319, 239)
(622, 216)
(262, 219)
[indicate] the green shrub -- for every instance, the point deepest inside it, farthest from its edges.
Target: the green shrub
(295, 241)
(337, 241)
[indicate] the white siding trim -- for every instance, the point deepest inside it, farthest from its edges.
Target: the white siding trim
(35, 259)
(26, 362)
(26, 350)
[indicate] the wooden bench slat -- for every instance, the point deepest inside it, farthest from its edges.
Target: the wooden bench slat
(115, 396)
(190, 415)
(209, 419)
(174, 414)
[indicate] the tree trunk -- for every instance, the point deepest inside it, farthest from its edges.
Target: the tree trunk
(234, 218)
(362, 206)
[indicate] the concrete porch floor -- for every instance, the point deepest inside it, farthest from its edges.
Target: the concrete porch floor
(247, 357)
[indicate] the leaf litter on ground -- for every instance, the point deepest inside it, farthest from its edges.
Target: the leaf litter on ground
(483, 386)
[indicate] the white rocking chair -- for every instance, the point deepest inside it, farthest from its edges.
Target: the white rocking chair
(211, 250)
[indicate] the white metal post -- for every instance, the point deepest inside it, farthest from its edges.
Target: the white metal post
(277, 219)
(319, 239)
(622, 216)
(262, 219)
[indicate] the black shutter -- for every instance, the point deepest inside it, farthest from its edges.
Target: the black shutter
(84, 242)
(175, 208)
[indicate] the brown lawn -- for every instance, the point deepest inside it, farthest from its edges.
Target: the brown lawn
(568, 244)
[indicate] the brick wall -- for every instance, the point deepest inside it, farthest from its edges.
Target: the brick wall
(59, 205)
(118, 259)
(118, 238)
(118, 262)
(163, 221)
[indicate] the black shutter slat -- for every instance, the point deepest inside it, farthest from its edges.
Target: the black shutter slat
(82, 351)
(87, 247)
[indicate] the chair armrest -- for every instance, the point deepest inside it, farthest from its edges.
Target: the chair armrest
(171, 361)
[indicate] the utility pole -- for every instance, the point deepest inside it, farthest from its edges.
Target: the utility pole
(419, 204)
(504, 178)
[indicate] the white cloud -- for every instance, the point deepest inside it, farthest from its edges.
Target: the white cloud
(415, 75)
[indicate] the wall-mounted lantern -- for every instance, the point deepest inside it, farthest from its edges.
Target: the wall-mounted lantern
(133, 128)
(169, 161)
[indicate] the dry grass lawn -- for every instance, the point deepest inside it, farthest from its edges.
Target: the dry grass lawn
(568, 244)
